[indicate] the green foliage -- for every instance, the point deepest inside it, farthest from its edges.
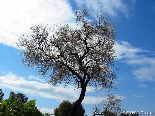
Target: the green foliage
(11, 107)
(17, 105)
(14, 107)
(31, 109)
(56, 112)
(46, 114)
(65, 108)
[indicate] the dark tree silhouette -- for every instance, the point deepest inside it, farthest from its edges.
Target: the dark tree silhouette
(20, 96)
(12, 95)
(127, 114)
(83, 55)
(1, 95)
(65, 107)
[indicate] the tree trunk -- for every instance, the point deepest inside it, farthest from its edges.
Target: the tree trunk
(78, 102)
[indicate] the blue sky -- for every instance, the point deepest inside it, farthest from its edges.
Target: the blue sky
(135, 51)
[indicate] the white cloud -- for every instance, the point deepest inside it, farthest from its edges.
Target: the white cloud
(145, 70)
(145, 73)
(110, 7)
(93, 100)
(142, 61)
(46, 110)
(36, 78)
(35, 88)
(98, 99)
(18, 15)
(125, 51)
(144, 66)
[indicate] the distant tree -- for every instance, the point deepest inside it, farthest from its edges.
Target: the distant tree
(83, 55)
(1, 95)
(56, 112)
(105, 113)
(65, 107)
(20, 96)
(108, 113)
(124, 114)
(109, 106)
(134, 114)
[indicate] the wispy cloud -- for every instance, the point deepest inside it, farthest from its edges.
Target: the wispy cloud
(137, 96)
(36, 78)
(46, 110)
(125, 51)
(144, 66)
(145, 70)
(110, 7)
(143, 86)
(35, 88)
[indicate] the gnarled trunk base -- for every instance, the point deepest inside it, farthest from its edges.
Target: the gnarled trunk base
(78, 102)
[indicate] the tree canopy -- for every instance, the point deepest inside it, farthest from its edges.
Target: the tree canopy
(65, 107)
(20, 96)
(82, 55)
(14, 106)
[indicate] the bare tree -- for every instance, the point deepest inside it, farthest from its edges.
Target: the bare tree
(83, 55)
(109, 106)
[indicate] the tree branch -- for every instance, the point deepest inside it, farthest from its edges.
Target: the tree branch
(87, 50)
(73, 72)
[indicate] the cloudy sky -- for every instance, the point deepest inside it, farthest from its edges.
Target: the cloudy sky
(135, 51)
